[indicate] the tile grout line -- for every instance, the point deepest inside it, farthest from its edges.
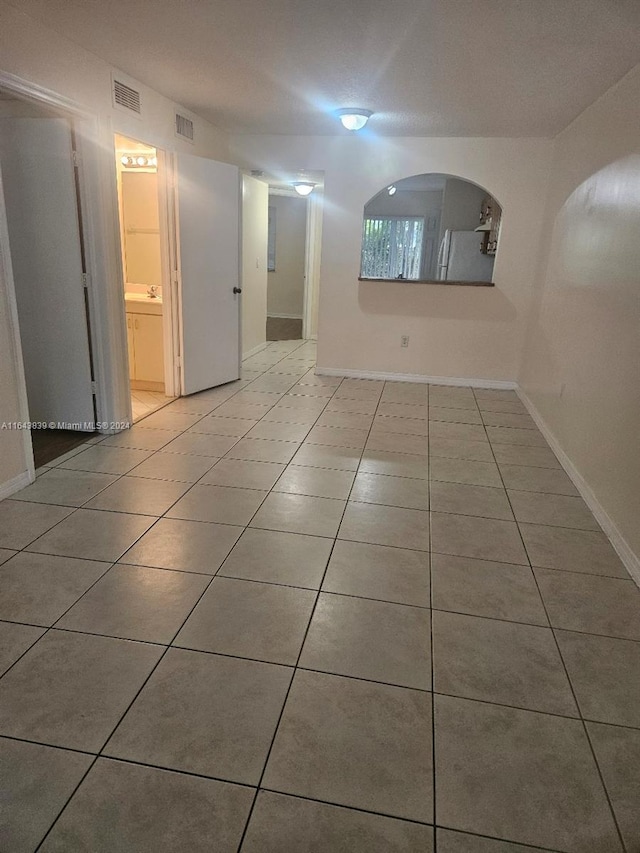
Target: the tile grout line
(331, 672)
(295, 669)
(129, 706)
(571, 687)
(66, 803)
(501, 841)
(146, 680)
(121, 476)
(49, 628)
(99, 754)
(220, 568)
(276, 530)
(52, 825)
(339, 675)
(433, 694)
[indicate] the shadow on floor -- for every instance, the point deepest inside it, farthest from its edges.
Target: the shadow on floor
(283, 329)
(48, 444)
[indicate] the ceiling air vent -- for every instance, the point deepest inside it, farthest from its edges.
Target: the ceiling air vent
(184, 127)
(126, 97)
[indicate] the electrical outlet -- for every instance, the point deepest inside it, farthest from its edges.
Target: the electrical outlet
(404, 340)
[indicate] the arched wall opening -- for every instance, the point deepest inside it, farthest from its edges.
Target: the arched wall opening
(431, 227)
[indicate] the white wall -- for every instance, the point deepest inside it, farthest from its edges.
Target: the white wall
(285, 293)
(255, 207)
(581, 362)
(461, 206)
(465, 332)
(405, 203)
(41, 56)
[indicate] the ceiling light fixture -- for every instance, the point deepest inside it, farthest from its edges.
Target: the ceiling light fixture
(133, 161)
(303, 188)
(353, 118)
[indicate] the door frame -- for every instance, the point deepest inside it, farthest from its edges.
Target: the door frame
(314, 210)
(312, 252)
(171, 324)
(6, 278)
(98, 215)
(170, 341)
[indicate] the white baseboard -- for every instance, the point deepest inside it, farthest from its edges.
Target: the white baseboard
(284, 316)
(630, 559)
(254, 351)
(12, 486)
(502, 384)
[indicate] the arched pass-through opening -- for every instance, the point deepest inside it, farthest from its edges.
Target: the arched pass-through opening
(432, 228)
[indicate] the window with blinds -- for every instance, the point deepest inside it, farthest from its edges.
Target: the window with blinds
(392, 247)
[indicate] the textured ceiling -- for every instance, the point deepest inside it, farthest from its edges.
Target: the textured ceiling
(283, 181)
(425, 67)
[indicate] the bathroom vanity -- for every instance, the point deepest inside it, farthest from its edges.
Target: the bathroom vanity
(144, 338)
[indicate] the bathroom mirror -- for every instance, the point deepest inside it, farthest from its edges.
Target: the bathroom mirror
(432, 228)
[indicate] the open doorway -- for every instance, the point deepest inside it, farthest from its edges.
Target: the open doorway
(295, 233)
(286, 265)
(42, 202)
(146, 293)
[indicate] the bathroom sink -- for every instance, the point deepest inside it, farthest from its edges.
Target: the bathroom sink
(140, 303)
(142, 297)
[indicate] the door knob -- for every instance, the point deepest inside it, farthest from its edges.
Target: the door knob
(237, 290)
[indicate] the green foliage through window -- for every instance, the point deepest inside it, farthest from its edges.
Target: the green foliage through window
(392, 247)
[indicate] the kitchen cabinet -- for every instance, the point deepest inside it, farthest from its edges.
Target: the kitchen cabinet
(146, 359)
(490, 218)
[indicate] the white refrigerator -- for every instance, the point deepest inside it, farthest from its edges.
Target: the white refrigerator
(460, 258)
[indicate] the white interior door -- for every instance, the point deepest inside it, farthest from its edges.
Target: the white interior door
(208, 206)
(44, 236)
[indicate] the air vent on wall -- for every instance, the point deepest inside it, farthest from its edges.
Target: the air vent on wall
(126, 97)
(184, 127)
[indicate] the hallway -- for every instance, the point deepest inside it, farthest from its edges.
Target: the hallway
(303, 613)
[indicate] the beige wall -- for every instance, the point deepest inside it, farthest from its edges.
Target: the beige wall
(255, 200)
(457, 332)
(41, 56)
(406, 203)
(141, 229)
(285, 294)
(581, 363)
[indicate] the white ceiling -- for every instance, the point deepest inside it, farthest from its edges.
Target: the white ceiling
(282, 182)
(425, 67)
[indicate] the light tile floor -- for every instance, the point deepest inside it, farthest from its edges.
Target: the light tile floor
(296, 613)
(145, 402)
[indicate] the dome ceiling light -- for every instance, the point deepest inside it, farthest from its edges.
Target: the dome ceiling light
(354, 118)
(303, 188)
